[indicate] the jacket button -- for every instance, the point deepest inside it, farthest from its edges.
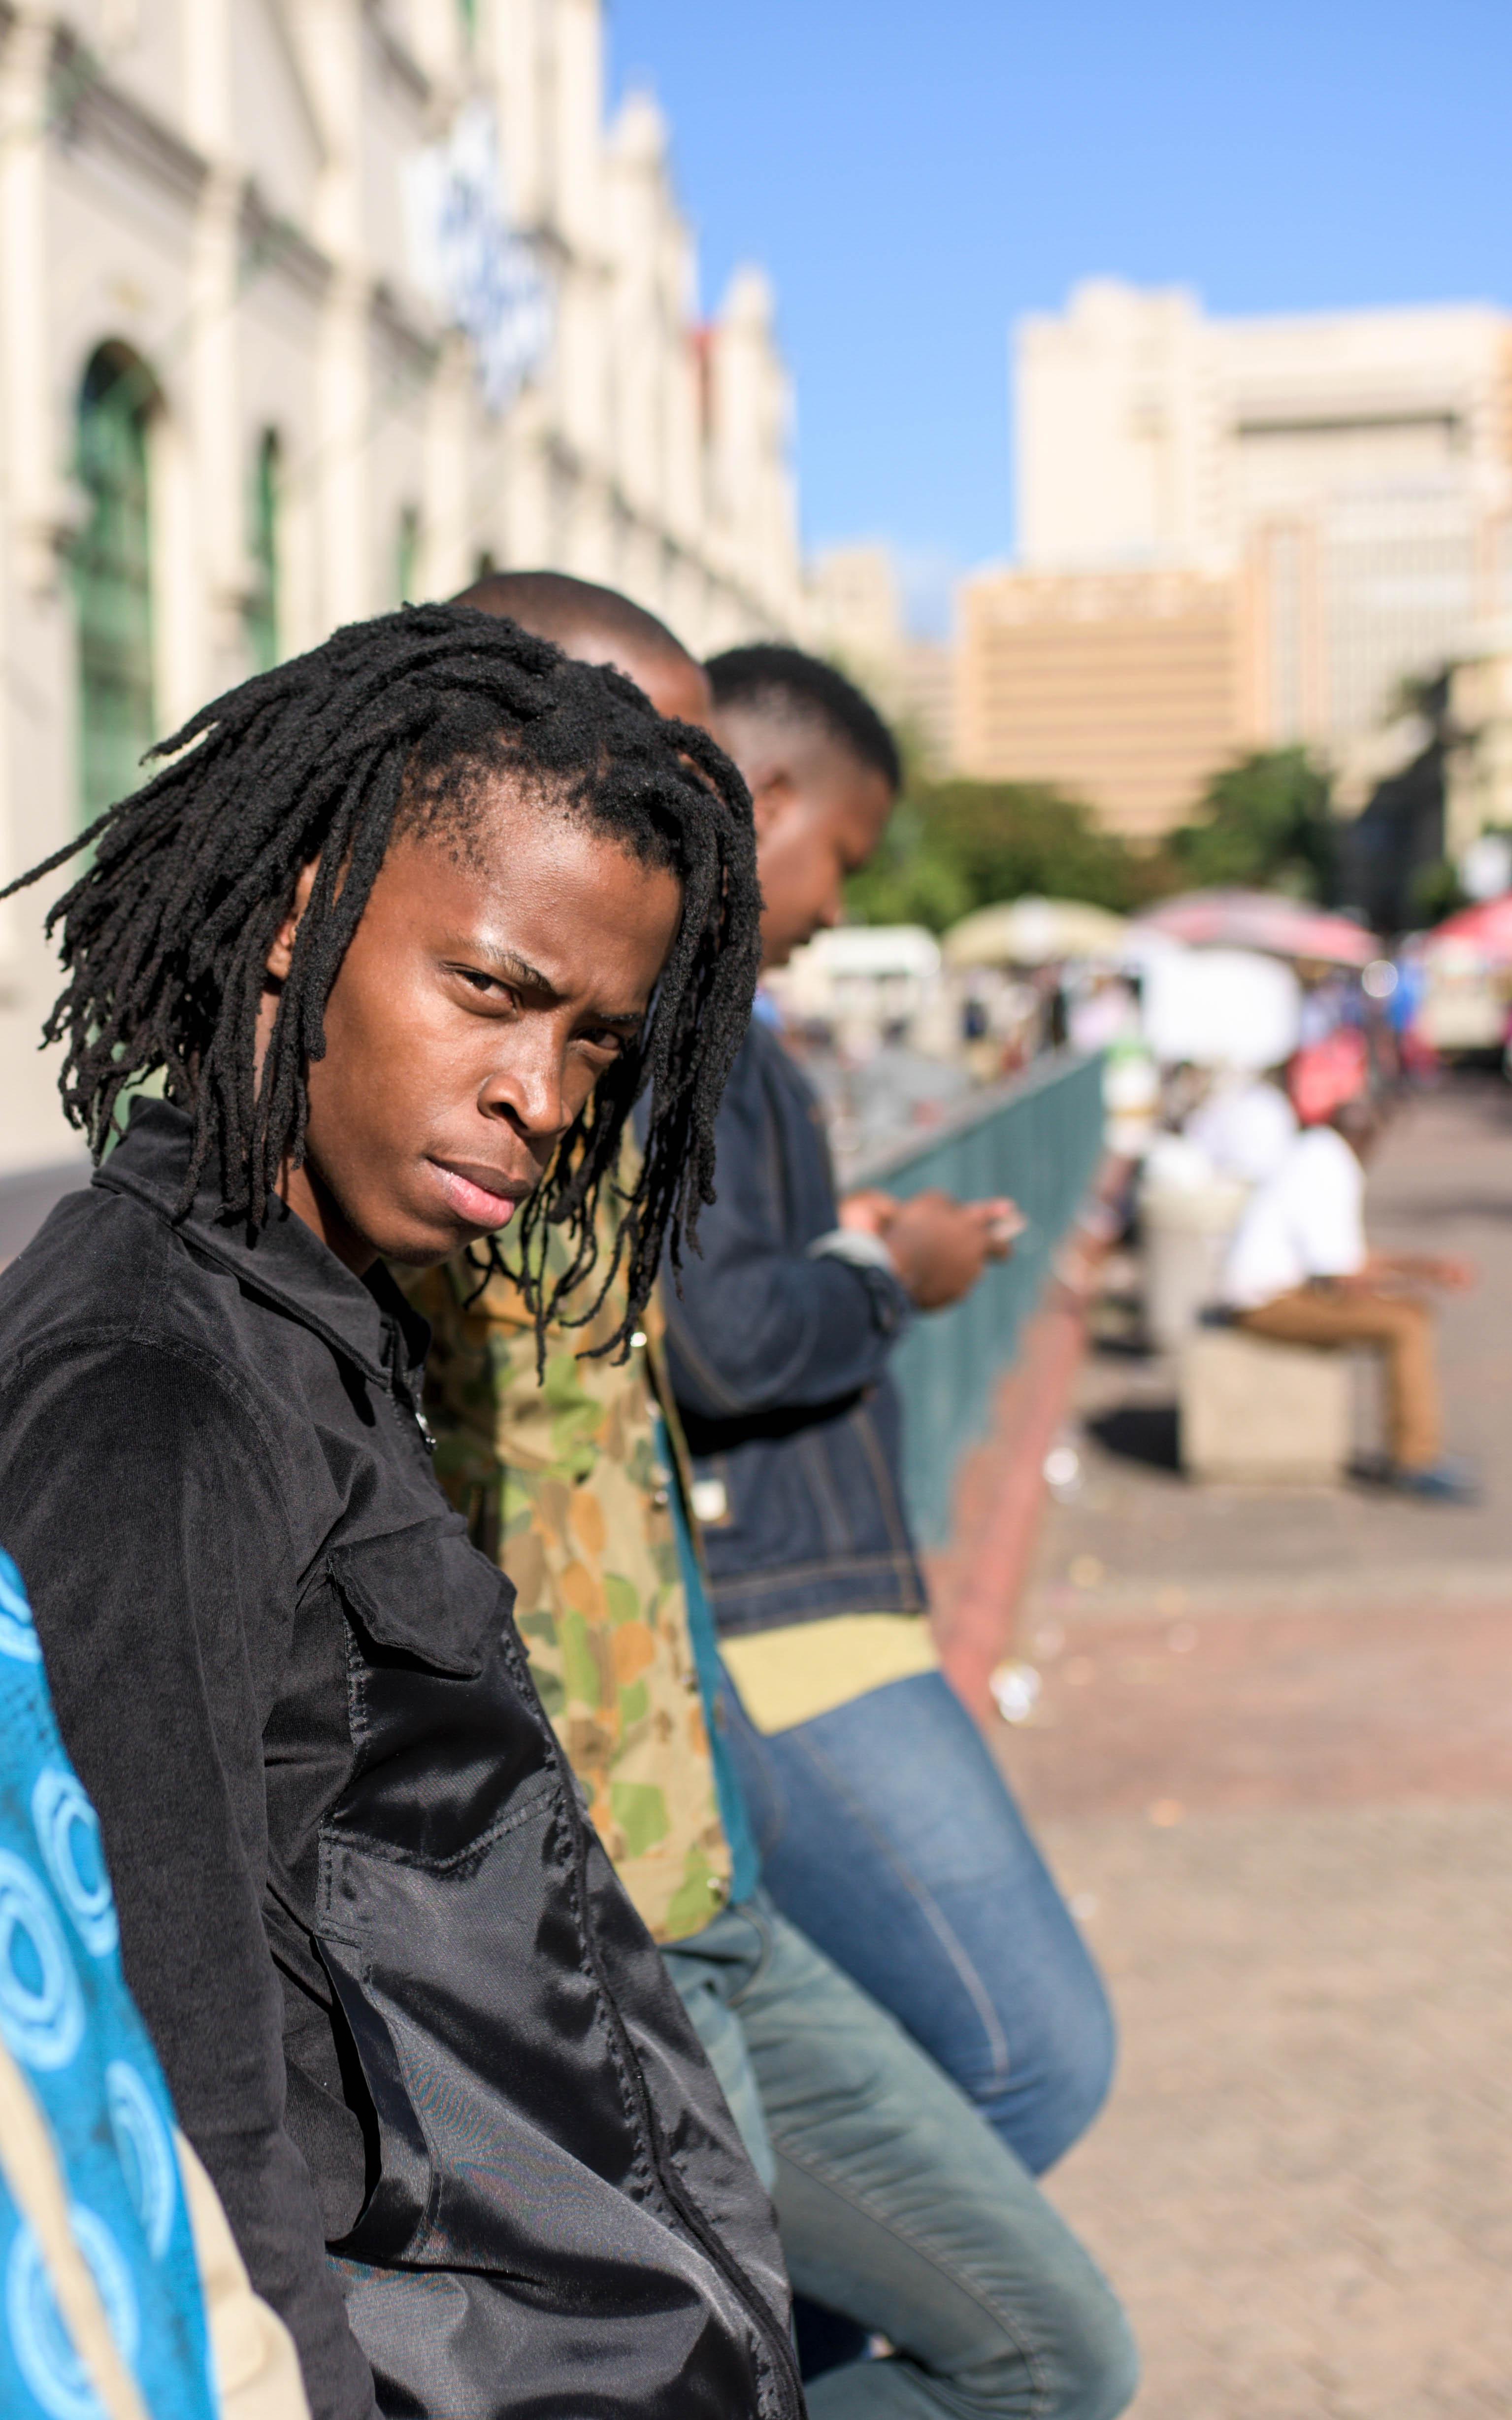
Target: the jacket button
(711, 1502)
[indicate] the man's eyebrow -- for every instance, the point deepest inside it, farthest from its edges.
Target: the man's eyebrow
(497, 958)
(511, 968)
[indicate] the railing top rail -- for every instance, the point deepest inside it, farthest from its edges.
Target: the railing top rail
(873, 1167)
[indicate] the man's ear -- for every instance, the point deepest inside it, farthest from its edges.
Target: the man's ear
(773, 797)
(281, 953)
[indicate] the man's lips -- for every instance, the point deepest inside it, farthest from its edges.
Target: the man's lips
(480, 1195)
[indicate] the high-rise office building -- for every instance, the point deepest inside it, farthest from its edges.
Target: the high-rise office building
(1344, 480)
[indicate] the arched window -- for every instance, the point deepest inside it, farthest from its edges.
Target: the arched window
(262, 545)
(113, 579)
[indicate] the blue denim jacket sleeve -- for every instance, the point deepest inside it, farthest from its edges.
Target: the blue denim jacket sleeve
(754, 1324)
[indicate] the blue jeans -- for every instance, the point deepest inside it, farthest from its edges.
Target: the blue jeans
(888, 1836)
(897, 2206)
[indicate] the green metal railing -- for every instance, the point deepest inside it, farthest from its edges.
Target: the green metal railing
(1038, 1138)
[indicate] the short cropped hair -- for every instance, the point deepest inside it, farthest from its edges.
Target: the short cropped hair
(789, 685)
(557, 606)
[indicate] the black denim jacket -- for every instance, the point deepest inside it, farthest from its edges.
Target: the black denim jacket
(780, 1364)
(403, 2005)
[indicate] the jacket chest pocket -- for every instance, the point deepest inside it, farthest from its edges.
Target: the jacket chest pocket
(445, 1910)
(445, 1723)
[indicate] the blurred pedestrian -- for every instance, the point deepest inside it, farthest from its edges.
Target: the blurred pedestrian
(1416, 1055)
(1104, 1011)
(887, 1834)
(1245, 1123)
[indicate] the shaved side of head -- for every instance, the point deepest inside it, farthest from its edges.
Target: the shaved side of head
(599, 626)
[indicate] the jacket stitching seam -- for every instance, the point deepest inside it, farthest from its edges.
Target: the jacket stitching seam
(811, 1453)
(544, 1798)
(831, 1566)
(60, 1348)
(887, 1492)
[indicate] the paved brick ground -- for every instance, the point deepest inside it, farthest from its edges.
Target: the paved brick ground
(1274, 1764)
(1303, 2185)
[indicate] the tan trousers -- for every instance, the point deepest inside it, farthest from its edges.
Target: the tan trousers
(1399, 1325)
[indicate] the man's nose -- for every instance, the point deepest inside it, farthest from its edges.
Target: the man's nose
(529, 1090)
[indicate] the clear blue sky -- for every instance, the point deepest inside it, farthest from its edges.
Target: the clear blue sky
(915, 177)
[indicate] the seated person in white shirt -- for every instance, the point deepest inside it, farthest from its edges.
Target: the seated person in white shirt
(1246, 1126)
(1300, 1270)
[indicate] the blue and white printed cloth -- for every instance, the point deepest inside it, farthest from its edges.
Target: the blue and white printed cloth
(69, 2022)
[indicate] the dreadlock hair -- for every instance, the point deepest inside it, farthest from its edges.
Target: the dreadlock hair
(391, 725)
(789, 687)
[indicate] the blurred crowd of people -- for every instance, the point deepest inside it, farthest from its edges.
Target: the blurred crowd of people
(503, 1807)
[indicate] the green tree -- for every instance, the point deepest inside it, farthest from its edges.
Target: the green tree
(956, 846)
(1435, 891)
(1265, 824)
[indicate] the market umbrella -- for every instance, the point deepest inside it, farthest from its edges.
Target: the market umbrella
(1485, 929)
(1035, 933)
(1267, 921)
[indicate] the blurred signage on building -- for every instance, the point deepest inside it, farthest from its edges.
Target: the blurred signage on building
(473, 267)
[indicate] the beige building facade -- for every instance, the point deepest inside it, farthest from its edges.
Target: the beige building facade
(1123, 687)
(855, 617)
(1348, 478)
(237, 409)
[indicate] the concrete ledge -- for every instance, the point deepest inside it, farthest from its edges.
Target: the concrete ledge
(1262, 1414)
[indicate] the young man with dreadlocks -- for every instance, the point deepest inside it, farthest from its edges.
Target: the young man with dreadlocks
(405, 927)
(899, 2212)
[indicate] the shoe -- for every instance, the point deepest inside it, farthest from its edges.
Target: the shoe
(1444, 1483)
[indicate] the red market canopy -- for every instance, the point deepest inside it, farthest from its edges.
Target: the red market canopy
(1485, 929)
(1263, 920)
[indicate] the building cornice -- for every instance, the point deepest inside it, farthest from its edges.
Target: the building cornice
(92, 112)
(418, 347)
(271, 244)
(397, 57)
(710, 560)
(284, 32)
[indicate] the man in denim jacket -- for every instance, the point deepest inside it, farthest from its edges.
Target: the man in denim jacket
(887, 1834)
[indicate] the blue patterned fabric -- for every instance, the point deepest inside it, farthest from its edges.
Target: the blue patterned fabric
(68, 2020)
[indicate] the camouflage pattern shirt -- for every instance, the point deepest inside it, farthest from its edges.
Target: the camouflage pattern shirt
(562, 1482)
